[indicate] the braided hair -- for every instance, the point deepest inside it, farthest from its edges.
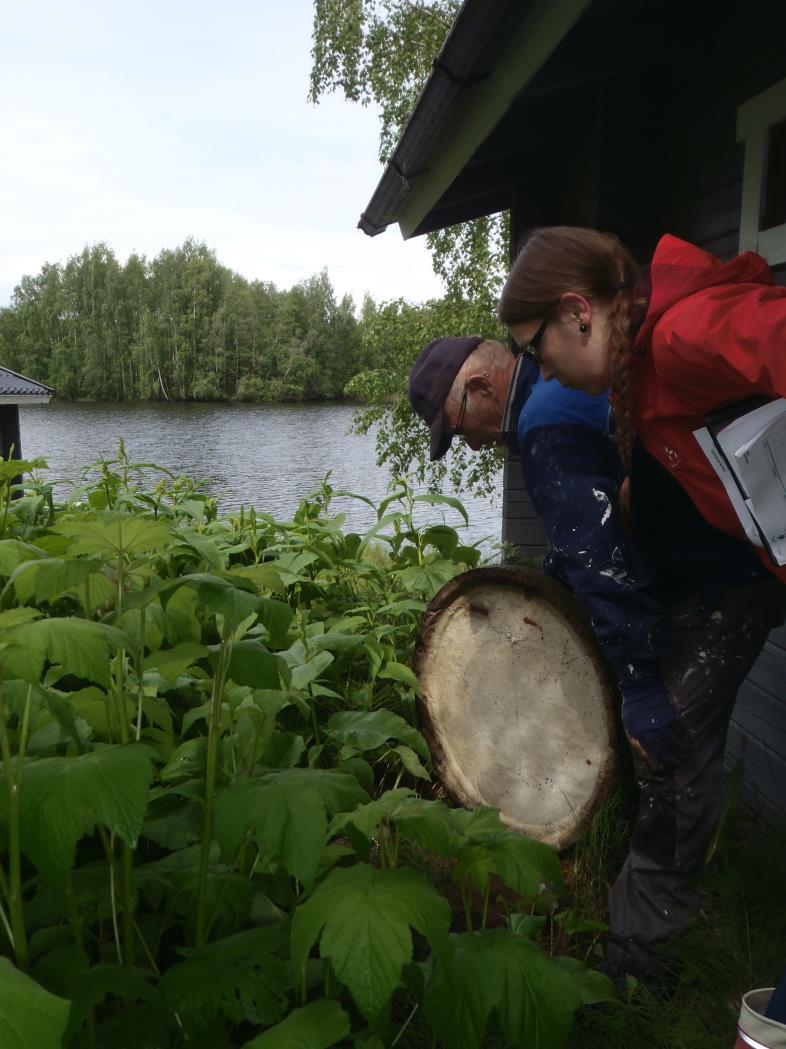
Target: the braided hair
(553, 260)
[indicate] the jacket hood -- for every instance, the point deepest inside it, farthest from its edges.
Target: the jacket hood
(679, 269)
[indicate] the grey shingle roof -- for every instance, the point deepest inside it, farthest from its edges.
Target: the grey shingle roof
(13, 384)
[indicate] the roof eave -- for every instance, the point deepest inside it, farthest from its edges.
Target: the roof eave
(430, 151)
(25, 398)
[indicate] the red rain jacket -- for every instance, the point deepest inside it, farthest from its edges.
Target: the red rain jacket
(714, 333)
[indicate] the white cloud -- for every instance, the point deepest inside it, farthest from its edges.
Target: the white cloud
(142, 126)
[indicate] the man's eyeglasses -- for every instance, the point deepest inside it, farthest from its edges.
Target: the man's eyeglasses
(462, 410)
(532, 350)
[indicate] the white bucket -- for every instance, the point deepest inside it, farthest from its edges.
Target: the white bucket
(754, 1029)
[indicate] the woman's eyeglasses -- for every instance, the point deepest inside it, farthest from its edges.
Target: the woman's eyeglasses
(532, 350)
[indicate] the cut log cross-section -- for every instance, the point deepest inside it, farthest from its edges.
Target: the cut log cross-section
(516, 702)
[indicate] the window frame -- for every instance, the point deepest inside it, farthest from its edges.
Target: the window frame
(754, 119)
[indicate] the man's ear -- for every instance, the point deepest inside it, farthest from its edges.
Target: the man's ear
(480, 382)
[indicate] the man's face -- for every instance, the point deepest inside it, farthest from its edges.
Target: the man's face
(480, 422)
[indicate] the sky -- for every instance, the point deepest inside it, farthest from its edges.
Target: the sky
(142, 124)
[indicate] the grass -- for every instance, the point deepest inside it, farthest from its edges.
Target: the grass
(738, 942)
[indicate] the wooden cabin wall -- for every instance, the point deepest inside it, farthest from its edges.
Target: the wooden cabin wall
(561, 189)
(702, 189)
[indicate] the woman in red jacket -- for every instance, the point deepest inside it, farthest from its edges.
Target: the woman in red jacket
(675, 342)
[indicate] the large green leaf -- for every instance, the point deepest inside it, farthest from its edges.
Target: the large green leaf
(220, 596)
(251, 664)
(521, 862)
(172, 662)
(289, 567)
(400, 672)
(61, 799)
(93, 705)
(593, 987)
(316, 1026)
(443, 500)
(369, 729)
(495, 972)
(50, 577)
(431, 824)
(427, 579)
(113, 534)
(480, 824)
(13, 553)
(381, 524)
(307, 672)
(206, 548)
(441, 537)
(334, 641)
(30, 1017)
(366, 818)
(408, 604)
(239, 977)
(263, 577)
(364, 916)
(181, 616)
(411, 762)
(89, 989)
(276, 617)
(64, 712)
(80, 646)
(14, 617)
(288, 812)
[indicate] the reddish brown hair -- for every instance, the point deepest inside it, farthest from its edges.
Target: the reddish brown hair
(553, 260)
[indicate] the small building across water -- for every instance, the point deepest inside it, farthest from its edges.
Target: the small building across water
(16, 389)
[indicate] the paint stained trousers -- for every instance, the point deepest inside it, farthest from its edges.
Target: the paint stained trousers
(654, 897)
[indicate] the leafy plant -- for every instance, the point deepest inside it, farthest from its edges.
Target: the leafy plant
(210, 819)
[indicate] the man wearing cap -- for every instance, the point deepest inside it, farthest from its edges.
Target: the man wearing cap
(680, 589)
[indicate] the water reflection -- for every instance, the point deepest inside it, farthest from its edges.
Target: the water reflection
(269, 456)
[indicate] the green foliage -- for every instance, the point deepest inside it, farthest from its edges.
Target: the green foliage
(363, 917)
(315, 1026)
(30, 1017)
(377, 52)
(210, 772)
(178, 327)
(288, 811)
(240, 978)
(80, 646)
(476, 988)
(393, 334)
(737, 942)
(63, 798)
(381, 52)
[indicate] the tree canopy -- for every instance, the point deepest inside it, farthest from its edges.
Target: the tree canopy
(380, 52)
(180, 326)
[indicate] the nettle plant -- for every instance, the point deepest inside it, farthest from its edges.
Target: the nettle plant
(217, 821)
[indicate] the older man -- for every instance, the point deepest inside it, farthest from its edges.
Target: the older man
(681, 613)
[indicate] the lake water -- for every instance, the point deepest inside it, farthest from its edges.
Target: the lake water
(268, 456)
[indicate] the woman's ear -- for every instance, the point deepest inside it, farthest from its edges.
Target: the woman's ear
(576, 307)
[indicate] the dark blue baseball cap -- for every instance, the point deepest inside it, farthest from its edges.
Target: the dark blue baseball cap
(430, 381)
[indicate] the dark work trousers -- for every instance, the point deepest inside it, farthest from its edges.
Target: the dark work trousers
(713, 650)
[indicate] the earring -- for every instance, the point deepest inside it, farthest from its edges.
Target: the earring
(583, 327)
